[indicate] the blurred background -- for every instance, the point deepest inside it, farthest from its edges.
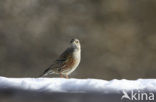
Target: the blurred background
(118, 37)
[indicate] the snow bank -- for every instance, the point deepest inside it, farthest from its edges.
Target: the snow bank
(76, 85)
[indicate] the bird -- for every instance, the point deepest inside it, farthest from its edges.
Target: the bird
(67, 62)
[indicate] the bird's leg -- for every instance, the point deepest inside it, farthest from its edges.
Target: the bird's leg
(67, 76)
(61, 75)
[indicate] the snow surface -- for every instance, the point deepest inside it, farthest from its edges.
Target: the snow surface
(76, 85)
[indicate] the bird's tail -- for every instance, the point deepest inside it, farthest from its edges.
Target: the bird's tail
(46, 73)
(43, 75)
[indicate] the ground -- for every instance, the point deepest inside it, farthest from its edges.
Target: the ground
(71, 89)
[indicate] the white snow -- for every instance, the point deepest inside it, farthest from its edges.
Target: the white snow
(76, 85)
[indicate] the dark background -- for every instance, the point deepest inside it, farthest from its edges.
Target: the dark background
(118, 37)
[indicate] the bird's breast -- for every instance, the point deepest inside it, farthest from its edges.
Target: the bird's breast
(72, 63)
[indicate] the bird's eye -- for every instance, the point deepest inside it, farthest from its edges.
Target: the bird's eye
(77, 41)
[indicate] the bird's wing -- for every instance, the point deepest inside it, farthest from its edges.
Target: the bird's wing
(66, 54)
(59, 63)
(62, 60)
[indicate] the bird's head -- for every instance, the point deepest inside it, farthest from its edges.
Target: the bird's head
(75, 43)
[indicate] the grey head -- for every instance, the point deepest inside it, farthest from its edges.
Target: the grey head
(75, 43)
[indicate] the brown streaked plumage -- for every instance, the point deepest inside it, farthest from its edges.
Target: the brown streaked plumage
(67, 62)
